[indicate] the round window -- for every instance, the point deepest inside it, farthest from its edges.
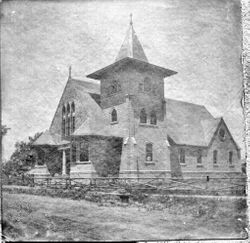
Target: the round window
(222, 134)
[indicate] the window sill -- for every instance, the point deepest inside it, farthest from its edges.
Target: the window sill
(199, 166)
(149, 163)
(183, 165)
(148, 125)
(114, 122)
(83, 162)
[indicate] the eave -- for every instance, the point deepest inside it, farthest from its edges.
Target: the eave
(136, 63)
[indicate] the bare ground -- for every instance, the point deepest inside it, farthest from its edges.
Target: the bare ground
(30, 217)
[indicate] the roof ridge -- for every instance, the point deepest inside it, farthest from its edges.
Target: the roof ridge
(187, 102)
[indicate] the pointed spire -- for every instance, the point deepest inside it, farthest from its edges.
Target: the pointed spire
(69, 71)
(131, 46)
(131, 19)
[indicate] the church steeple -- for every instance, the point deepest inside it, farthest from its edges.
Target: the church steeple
(131, 46)
(69, 72)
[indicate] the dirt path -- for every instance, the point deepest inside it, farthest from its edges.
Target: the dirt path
(46, 218)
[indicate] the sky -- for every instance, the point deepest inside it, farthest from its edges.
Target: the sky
(199, 39)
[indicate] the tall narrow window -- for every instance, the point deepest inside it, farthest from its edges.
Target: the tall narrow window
(182, 156)
(215, 154)
(231, 157)
(114, 115)
(72, 117)
(147, 84)
(199, 156)
(149, 152)
(143, 116)
(73, 152)
(68, 119)
(141, 87)
(63, 121)
(153, 118)
(84, 151)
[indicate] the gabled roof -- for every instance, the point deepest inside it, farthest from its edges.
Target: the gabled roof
(185, 123)
(86, 86)
(138, 64)
(188, 123)
(131, 46)
(98, 127)
(221, 121)
(47, 138)
(98, 124)
(192, 124)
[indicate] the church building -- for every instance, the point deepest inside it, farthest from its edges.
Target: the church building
(122, 125)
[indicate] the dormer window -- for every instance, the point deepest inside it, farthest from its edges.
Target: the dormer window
(143, 116)
(114, 115)
(153, 118)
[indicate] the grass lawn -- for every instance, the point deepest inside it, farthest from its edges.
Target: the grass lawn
(31, 217)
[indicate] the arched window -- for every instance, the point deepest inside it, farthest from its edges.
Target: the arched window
(63, 121)
(149, 152)
(147, 84)
(231, 157)
(68, 119)
(72, 117)
(153, 118)
(143, 116)
(114, 115)
(215, 154)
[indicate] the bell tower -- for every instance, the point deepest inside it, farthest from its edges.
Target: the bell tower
(131, 74)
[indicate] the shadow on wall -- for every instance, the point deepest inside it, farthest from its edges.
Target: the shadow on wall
(110, 164)
(175, 166)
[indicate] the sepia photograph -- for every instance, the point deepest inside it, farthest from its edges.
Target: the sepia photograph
(122, 120)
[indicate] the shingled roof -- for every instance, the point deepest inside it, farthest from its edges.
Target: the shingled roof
(131, 46)
(185, 123)
(189, 124)
(47, 138)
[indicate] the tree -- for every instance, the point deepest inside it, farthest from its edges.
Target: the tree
(22, 159)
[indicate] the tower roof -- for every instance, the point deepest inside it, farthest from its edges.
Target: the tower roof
(131, 46)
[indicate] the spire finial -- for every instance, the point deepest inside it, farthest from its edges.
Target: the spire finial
(69, 71)
(131, 20)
